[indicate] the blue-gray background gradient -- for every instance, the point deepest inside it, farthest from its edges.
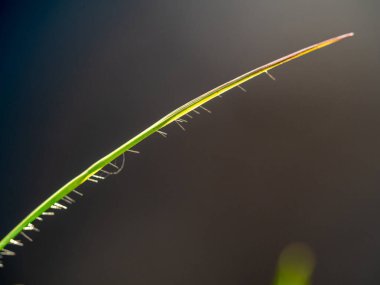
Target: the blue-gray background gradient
(293, 160)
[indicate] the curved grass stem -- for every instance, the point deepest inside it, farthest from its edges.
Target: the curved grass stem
(171, 117)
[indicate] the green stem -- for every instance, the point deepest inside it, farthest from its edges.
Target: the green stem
(171, 117)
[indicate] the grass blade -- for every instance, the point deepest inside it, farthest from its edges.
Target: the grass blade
(43, 208)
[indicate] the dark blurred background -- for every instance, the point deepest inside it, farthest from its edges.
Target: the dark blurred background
(293, 160)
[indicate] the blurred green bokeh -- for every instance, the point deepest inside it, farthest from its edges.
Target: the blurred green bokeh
(295, 265)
